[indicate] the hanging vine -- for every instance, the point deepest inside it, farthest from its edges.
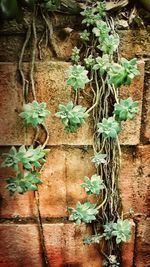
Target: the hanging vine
(98, 67)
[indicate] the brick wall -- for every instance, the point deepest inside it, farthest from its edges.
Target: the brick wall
(69, 157)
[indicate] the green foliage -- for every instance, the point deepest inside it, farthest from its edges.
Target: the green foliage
(85, 36)
(27, 160)
(83, 213)
(126, 109)
(94, 239)
(99, 159)
(101, 9)
(89, 61)
(93, 14)
(75, 55)
(23, 182)
(123, 73)
(94, 185)
(34, 113)
(108, 228)
(72, 116)
(109, 44)
(102, 64)
(109, 127)
(101, 31)
(28, 157)
(77, 77)
(111, 261)
(89, 16)
(11, 159)
(121, 230)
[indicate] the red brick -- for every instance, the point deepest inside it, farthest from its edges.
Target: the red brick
(63, 174)
(62, 178)
(130, 134)
(65, 246)
(65, 43)
(134, 181)
(146, 110)
(12, 130)
(127, 249)
(142, 256)
(78, 166)
(19, 246)
(134, 43)
(51, 87)
(11, 46)
(17, 205)
(63, 243)
(53, 190)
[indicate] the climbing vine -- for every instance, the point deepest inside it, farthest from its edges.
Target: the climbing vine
(96, 66)
(99, 65)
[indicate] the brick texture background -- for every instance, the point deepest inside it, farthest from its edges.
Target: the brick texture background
(69, 157)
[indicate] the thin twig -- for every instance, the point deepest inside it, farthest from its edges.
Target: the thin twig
(33, 58)
(47, 136)
(51, 37)
(25, 82)
(41, 230)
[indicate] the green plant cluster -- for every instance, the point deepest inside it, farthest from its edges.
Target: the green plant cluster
(126, 109)
(34, 113)
(94, 185)
(106, 73)
(86, 212)
(23, 182)
(78, 77)
(120, 230)
(24, 161)
(83, 213)
(27, 161)
(98, 159)
(72, 116)
(109, 127)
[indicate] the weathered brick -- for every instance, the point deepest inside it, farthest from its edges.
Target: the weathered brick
(59, 21)
(53, 190)
(51, 87)
(19, 246)
(134, 43)
(146, 109)
(65, 42)
(64, 246)
(142, 255)
(12, 130)
(127, 250)
(17, 205)
(11, 46)
(134, 181)
(63, 174)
